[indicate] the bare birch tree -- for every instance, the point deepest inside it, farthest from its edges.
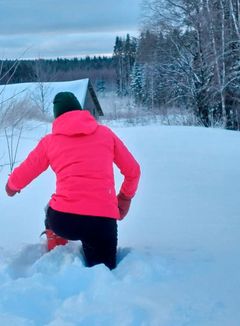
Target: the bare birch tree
(205, 64)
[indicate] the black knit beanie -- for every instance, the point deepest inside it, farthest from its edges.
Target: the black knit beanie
(64, 102)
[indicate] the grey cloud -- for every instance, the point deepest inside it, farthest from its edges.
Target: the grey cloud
(58, 45)
(27, 16)
(51, 28)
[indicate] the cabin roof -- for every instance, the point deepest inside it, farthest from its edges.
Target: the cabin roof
(82, 88)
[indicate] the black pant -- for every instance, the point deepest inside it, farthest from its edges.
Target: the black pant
(98, 235)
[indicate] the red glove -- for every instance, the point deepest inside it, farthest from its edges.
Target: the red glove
(123, 204)
(10, 191)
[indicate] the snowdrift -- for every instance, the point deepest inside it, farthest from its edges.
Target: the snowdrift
(178, 258)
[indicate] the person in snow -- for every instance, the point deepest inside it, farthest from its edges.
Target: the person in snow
(84, 206)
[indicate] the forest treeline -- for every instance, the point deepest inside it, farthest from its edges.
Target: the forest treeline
(99, 69)
(187, 55)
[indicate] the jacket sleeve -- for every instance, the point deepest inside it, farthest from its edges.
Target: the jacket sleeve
(36, 162)
(128, 166)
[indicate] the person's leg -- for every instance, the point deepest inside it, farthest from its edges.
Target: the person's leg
(98, 235)
(100, 246)
(53, 240)
(66, 225)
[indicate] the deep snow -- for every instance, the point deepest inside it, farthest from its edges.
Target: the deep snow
(178, 247)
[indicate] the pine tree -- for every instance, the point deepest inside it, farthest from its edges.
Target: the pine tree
(124, 57)
(137, 82)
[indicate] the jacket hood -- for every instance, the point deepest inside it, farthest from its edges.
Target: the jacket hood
(74, 123)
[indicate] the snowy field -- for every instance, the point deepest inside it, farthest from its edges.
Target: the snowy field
(179, 247)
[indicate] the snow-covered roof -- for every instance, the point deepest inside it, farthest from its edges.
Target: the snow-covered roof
(24, 90)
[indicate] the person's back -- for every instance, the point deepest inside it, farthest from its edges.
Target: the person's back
(82, 159)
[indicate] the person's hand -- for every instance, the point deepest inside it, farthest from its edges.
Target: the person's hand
(124, 203)
(10, 191)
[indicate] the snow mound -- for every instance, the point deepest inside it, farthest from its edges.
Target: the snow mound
(178, 261)
(146, 288)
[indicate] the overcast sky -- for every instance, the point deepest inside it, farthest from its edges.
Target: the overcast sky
(64, 28)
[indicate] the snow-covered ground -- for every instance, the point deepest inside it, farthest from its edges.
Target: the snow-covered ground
(179, 247)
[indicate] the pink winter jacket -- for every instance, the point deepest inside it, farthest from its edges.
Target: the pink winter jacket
(81, 153)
